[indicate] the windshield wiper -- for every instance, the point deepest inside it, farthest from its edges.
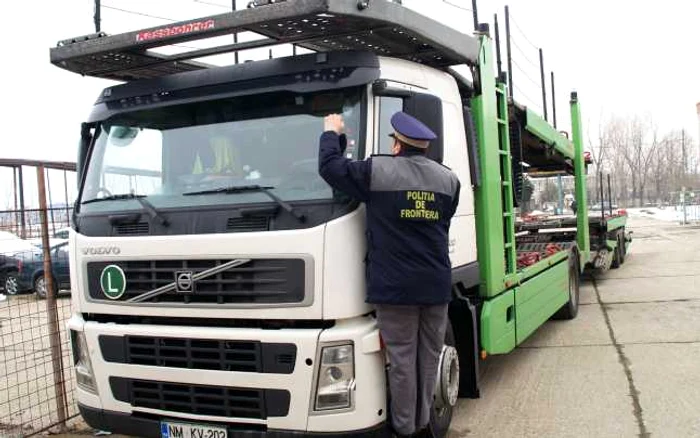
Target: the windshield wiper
(150, 209)
(252, 188)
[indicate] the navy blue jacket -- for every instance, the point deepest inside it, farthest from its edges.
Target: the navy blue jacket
(410, 200)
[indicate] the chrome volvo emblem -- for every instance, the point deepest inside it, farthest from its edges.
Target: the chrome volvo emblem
(184, 282)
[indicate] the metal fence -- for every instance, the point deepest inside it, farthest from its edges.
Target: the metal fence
(37, 387)
(37, 384)
(26, 224)
(688, 206)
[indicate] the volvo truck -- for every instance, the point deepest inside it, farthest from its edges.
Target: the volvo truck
(219, 283)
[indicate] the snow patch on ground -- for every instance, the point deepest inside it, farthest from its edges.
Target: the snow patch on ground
(667, 214)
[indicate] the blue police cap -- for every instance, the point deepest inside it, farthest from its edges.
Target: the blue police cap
(411, 131)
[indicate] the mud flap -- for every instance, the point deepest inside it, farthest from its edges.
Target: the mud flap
(463, 316)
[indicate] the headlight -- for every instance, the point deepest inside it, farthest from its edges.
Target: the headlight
(336, 377)
(83, 365)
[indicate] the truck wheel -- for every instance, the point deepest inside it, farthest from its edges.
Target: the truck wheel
(621, 244)
(11, 284)
(447, 388)
(570, 309)
(617, 255)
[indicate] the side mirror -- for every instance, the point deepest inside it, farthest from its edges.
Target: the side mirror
(428, 109)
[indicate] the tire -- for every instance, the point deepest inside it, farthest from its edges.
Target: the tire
(570, 309)
(617, 256)
(440, 418)
(621, 243)
(11, 284)
(40, 287)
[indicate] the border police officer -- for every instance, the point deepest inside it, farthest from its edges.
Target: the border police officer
(410, 200)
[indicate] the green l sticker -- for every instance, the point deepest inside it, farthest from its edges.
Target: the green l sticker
(113, 282)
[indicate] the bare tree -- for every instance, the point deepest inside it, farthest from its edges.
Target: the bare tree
(645, 164)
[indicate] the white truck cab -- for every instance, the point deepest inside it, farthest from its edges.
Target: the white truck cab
(180, 317)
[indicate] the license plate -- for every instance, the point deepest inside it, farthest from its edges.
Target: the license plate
(185, 430)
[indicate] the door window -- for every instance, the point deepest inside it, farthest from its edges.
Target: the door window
(388, 106)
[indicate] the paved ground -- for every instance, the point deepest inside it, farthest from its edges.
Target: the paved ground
(628, 366)
(27, 392)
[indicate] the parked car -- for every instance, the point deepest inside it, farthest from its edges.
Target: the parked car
(28, 272)
(10, 244)
(61, 235)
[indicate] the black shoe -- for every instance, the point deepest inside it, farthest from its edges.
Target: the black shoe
(423, 433)
(394, 434)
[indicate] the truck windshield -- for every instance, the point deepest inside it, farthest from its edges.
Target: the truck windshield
(265, 140)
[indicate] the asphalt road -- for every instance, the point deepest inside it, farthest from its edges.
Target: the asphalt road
(628, 366)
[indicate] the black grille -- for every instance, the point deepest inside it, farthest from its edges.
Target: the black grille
(137, 229)
(219, 401)
(248, 224)
(260, 281)
(201, 354)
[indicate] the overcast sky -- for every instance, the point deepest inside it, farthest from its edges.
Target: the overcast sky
(624, 57)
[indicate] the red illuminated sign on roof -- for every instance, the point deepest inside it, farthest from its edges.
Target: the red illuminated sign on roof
(175, 30)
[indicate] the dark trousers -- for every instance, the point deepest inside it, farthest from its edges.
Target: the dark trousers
(414, 337)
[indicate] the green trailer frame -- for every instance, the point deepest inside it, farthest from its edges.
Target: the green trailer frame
(515, 302)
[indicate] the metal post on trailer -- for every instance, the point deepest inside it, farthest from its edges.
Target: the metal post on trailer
(51, 309)
(582, 220)
(475, 14)
(498, 45)
(98, 16)
(544, 86)
(235, 34)
(510, 57)
(554, 104)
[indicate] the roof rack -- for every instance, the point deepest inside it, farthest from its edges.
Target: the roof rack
(379, 26)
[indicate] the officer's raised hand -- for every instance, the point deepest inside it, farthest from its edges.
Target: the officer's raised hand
(335, 123)
(343, 174)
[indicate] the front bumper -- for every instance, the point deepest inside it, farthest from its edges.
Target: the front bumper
(369, 399)
(128, 424)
